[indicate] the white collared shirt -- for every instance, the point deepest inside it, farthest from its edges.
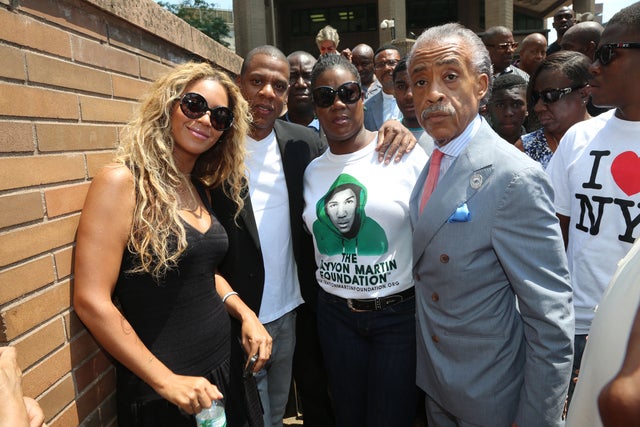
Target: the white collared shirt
(453, 149)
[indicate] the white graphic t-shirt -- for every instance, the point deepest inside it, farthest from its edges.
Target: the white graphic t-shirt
(595, 175)
(358, 213)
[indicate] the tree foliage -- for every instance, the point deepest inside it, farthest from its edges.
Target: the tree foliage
(201, 15)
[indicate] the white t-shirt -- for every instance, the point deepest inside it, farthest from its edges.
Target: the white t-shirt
(595, 173)
(358, 213)
(270, 201)
(606, 347)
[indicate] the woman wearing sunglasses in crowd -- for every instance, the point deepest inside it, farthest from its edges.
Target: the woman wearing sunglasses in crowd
(358, 213)
(147, 238)
(559, 93)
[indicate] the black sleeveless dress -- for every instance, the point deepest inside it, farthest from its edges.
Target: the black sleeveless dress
(183, 322)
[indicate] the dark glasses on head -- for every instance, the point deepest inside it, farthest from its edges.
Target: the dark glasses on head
(604, 53)
(349, 93)
(194, 106)
(549, 96)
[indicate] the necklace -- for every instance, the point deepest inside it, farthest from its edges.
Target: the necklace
(187, 199)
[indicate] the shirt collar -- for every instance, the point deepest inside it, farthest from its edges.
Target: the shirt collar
(459, 143)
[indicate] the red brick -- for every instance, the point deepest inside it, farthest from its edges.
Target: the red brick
(64, 200)
(26, 242)
(57, 397)
(95, 161)
(18, 172)
(73, 325)
(16, 137)
(44, 103)
(103, 56)
(37, 344)
(73, 137)
(63, 262)
(67, 418)
(82, 347)
(126, 87)
(209, 48)
(25, 31)
(106, 110)
(20, 208)
(75, 15)
(30, 312)
(92, 397)
(25, 278)
(55, 72)
(151, 70)
(87, 371)
(11, 63)
(42, 376)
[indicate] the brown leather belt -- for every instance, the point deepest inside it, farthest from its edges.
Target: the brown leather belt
(377, 304)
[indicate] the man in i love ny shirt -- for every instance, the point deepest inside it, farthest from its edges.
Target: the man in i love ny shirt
(595, 173)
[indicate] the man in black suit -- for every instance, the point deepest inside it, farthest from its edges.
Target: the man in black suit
(270, 260)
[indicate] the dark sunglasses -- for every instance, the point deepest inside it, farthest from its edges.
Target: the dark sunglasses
(504, 46)
(549, 96)
(604, 53)
(194, 106)
(325, 96)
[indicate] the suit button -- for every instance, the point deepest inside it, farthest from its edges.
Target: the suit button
(435, 297)
(435, 338)
(416, 277)
(444, 258)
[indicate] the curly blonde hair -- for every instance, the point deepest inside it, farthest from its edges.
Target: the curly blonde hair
(157, 235)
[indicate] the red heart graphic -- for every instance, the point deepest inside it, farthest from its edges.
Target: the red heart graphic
(626, 172)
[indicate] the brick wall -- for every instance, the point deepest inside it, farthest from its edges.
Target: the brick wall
(70, 74)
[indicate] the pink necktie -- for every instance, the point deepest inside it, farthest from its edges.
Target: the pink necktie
(432, 178)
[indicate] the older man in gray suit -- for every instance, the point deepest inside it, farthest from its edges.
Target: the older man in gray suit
(495, 319)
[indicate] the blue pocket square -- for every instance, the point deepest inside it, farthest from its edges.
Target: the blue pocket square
(461, 214)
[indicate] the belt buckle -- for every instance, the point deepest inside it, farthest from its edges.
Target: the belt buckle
(352, 308)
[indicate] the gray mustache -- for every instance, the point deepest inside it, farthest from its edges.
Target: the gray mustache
(438, 108)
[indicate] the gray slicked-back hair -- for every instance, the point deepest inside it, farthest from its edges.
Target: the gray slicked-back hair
(480, 59)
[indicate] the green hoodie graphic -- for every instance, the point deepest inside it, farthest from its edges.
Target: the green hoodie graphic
(342, 226)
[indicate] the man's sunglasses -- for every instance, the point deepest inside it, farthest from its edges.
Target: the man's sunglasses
(504, 46)
(549, 96)
(604, 53)
(325, 96)
(194, 106)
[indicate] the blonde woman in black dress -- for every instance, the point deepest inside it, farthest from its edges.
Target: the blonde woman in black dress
(147, 237)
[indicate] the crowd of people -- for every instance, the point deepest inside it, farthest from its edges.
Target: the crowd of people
(284, 227)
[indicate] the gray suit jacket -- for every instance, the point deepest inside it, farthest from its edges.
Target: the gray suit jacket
(483, 357)
(373, 112)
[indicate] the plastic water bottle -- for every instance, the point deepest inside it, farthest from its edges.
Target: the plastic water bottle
(213, 416)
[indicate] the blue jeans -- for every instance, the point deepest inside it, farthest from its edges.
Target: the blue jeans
(371, 362)
(274, 380)
(579, 343)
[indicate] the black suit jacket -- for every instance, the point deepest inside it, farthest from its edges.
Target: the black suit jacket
(243, 264)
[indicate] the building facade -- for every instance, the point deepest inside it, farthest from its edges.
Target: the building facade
(292, 25)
